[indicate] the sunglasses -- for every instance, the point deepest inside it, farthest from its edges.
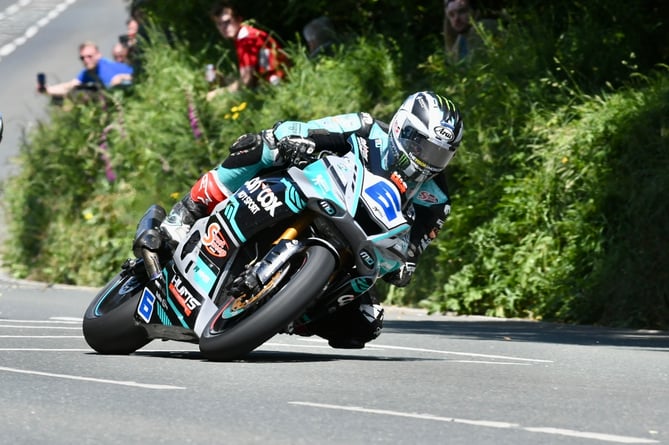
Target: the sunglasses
(86, 56)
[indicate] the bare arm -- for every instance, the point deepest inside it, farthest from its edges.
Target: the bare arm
(61, 89)
(120, 78)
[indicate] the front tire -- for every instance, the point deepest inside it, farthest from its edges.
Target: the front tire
(229, 339)
(109, 322)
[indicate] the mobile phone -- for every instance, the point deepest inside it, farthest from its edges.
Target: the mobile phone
(41, 82)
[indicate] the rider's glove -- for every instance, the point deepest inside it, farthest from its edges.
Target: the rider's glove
(402, 276)
(297, 150)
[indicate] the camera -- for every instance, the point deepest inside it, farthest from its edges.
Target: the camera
(41, 82)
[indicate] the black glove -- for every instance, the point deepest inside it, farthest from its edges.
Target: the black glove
(402, 276)
(297, 150)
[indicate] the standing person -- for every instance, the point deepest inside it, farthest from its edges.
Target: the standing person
(259, 55)
(412, 152)
(120, 53)
(460, 37)
(97, 70)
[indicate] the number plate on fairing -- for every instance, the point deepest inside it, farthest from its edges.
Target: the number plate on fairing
(383, 201)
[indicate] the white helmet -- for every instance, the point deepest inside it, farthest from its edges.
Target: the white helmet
(424, 135)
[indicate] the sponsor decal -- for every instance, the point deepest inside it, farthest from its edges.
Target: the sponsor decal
(248, 201)
(183, 296)
(396, 179)
(385, 196)
(146, 304)
(366, 258)
(327, 208)
(202, 193)
(364, 148)
(345, 299)
(444, 133)
(427, 197)
(214, 241)
(266, 197)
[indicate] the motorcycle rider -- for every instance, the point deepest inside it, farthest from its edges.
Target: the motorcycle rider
(412, 152)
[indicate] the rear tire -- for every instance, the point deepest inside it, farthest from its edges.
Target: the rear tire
(109, 322)
(221, 341)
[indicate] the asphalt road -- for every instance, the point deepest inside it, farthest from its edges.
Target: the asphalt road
(426, 380)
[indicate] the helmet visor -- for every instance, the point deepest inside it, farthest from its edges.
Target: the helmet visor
(426, 153)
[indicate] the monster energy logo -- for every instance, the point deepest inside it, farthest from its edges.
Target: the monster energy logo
(403, 161)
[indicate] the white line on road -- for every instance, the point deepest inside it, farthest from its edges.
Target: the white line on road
(440, 351)
(50, 321)
(45, 349)
(485, 423)
(467, 354)
(31, 31)
(66, 319)
(91, 379)
(41, 336)
(13, 9)
(39, 327)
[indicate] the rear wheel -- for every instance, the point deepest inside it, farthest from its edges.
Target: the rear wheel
(109, 322)
(244, 323)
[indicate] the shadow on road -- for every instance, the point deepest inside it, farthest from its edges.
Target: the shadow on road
(532, 331)
(281, 357)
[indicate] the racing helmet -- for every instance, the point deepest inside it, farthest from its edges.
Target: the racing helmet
(424, 134)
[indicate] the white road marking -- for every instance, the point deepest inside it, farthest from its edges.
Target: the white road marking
(440, 351)
(91, 379)
(41, 336)
(31, 31)
(39, 327)
(66, 319)
(485, 423)
(45, 349)
(466, 354)
(50, 321)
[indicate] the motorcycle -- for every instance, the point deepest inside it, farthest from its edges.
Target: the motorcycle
(285, 250)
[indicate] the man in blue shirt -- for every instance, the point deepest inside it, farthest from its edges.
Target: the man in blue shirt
(102, 72)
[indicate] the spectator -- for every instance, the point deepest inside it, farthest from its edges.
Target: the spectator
(120, 53)
(320, 36)
(460, 37)
(259, 55)
(102, 72)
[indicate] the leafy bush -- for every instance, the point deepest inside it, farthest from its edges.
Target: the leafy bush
(157, 139)
(557, 191)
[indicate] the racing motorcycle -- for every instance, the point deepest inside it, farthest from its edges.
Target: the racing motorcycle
(285, 250)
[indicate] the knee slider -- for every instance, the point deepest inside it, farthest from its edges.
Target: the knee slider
(246, 150)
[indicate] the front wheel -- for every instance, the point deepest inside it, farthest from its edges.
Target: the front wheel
(236, 330)
(109, 322)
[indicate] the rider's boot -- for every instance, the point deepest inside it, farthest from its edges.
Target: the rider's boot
(198, 203)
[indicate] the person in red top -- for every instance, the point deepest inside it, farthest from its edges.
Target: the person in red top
(259, 55)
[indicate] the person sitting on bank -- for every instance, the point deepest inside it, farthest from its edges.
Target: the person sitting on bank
(260, 56)
(98, 70)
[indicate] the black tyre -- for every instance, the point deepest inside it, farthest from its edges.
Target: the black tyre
(228, 337)
(109, 323)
